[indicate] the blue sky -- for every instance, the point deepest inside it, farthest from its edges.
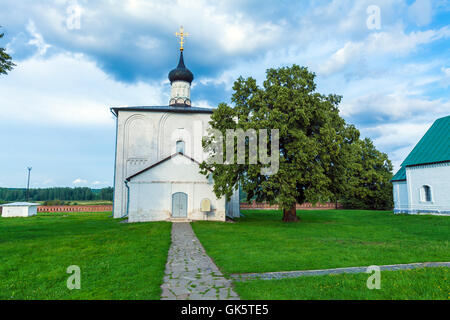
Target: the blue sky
(75, 59)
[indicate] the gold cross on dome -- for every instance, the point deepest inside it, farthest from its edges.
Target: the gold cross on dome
(181, 35)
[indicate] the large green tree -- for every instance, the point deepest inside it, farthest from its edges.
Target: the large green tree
(313, 141)
(368, 186)
(6, 63)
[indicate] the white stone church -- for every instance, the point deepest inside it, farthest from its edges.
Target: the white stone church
(158, 151)
(422, 185)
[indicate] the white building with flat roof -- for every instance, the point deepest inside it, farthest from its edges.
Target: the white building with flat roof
(19, 209)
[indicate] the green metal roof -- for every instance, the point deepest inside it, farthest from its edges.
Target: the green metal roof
(400, 175)
(433, 147)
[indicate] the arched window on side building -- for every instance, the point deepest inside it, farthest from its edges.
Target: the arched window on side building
(426, 194)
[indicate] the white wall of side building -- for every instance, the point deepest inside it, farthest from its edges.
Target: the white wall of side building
(435, 176)
(400, 197)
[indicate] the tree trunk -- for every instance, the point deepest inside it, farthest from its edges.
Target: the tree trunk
(290, 215)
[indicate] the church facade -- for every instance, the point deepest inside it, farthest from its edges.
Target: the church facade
(422, 185)
(158, 151)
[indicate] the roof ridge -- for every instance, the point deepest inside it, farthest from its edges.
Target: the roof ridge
(434, 146)
(193, 109)
(159, 162)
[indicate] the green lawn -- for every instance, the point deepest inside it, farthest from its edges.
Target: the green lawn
(427, 284)
(261, 242)
(126, 261)
(117, 261)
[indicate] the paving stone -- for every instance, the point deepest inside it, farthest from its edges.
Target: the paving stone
(304, 273)
(190, 272)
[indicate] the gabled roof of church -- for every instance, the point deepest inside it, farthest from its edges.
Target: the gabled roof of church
(115, 110)
(161, 161)
(434, 147)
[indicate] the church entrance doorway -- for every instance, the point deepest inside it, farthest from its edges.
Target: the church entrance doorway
(179, 205)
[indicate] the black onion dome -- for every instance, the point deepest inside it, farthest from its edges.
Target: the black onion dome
(181, 73)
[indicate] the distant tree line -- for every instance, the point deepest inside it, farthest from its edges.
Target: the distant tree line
(48, 194)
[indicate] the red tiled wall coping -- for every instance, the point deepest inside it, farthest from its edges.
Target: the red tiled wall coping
(244, 206)
(101, 208)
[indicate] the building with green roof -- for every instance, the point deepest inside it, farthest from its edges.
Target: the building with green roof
(422, 185)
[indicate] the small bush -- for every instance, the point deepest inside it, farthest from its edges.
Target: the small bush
(50, 203)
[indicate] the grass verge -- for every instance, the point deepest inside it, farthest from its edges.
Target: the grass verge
(261, 242)
(417, 284)
(117, 260)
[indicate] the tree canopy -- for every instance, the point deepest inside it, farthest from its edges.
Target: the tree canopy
(314, 141)
(6, 63)
(368, 185)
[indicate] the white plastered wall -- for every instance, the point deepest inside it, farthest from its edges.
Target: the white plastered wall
(437, 177)
(151, 192)
(146, 137)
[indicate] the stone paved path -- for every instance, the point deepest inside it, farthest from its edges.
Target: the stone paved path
(190, 272)
(296, 274)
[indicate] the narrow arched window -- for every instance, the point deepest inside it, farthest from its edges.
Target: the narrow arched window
(426, 194)
(180, 146)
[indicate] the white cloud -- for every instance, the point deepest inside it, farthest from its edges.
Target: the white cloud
(394, 106)
(80, 181)
(341, 58)
(446, 71)
(398, 139)
(147, 43)
(421, 12)
(395, 121)
(69, 89)
(38, 39)
(386, 87)
(100, 183)
(378, 44)
(398, 42)
(226, 78)
(48, 181)
(227, 30)
(242, 36)
(446, 79)
(203, 104)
